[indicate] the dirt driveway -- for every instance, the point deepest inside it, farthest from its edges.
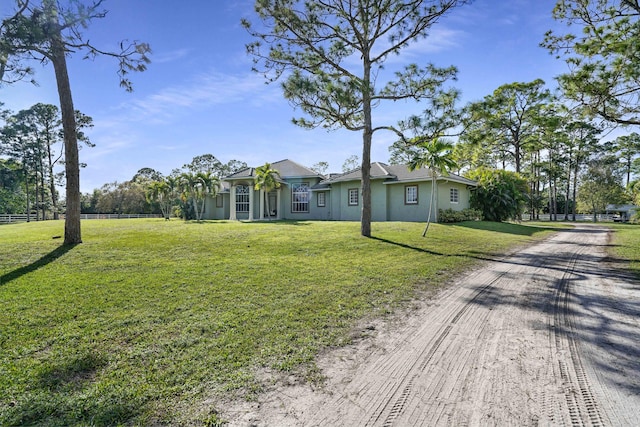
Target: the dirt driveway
(547, 336)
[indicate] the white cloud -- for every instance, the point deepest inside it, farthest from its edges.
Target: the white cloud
(203, 91)
(164, 57)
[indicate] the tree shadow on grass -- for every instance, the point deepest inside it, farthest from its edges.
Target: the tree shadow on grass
(403, 245)
(504, 227)
(43, 261)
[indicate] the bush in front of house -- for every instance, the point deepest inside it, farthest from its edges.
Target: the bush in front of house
(449, 215)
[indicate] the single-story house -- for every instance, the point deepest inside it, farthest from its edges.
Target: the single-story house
(622, 213)
(397, 194)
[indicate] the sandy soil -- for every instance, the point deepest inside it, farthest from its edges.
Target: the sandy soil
(547, 336)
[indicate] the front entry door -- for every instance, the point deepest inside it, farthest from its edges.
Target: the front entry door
(273, 200)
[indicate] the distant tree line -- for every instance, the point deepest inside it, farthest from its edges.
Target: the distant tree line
(182, 193)
(32, 159)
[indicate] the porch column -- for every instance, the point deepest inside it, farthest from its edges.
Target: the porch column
(278, 204)
(232, 204)
(251, 191)
(261, 203)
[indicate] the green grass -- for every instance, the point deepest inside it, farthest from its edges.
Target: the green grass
(152, 322)
(626, 244)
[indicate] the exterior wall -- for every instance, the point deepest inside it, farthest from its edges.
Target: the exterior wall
(286, 207)
(387, 202)
(444, 201)
(320, 212)
(399, 211)
(340, 199)
(379, 201)
(212, 211)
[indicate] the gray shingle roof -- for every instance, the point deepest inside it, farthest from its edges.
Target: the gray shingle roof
(392, 174)
(287, 169)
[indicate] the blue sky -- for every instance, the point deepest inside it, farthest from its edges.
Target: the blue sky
(200, 96)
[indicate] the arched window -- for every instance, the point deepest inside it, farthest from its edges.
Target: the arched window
(242, 198)
(300, 197)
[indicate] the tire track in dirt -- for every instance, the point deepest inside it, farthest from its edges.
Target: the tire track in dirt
(400, 402)
(515, 342)
(582, 406)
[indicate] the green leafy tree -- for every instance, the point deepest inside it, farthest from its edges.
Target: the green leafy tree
(507, 120)
(350, 163)
(231, 167)
(266, 179)
(500, 195)
(147, 176)
(627, 147)
(635, 194)
(20, 144)
(46, 122)
(12, 199)
(128, 197)
(34, 135)
(209, 163)
(437, 156)
(435, 122)
(313, 45)
(320, 167)
(601, 185)
(42, 31)
(603, 54)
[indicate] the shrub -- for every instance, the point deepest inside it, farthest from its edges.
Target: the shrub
(449, 215)
(500, 194)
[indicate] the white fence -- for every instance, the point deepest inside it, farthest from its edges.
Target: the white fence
(16, 218)
(4, 219)
(117, 216)
(579, 217)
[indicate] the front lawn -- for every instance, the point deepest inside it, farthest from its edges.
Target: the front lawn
(626, 244)
(150, 322)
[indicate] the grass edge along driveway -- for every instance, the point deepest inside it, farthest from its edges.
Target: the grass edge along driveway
(152, 322)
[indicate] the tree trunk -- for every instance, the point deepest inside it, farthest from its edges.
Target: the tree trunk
(266, 198)
(367, 134)
(36, 192)
(26, 187)
(72, 235)
(567, 192)
(575, 185)
(52, 184)
(433, 190)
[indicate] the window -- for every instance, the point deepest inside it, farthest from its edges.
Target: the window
(300, 197)
(411, 195)
(354, 193)
(453, 195)
(242, 198)
(321, 200)
(219, 203)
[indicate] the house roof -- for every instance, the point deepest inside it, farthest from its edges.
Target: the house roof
(622, 208)
(392, 174)
(287, 169)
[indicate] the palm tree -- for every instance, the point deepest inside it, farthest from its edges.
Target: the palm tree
(188, 183)
(164, 192)
(158, 191)
(196, 187)
(266, 179)
(437, 155)
(208, 185)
